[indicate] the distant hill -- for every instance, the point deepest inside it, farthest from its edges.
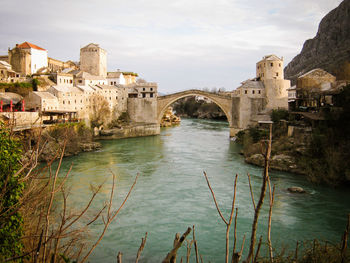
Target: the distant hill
(329, 49)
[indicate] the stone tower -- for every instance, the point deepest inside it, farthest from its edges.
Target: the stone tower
(269, 70)
(93, 60)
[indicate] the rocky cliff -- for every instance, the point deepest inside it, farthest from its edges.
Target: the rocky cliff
(329, 49)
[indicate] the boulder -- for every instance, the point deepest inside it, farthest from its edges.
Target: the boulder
(296, 189)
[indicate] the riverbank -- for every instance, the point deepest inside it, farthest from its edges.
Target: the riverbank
(319, 152)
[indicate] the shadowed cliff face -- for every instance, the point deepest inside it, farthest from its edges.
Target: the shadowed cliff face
(329, 49)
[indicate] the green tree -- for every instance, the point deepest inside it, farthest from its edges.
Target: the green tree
(11, 229)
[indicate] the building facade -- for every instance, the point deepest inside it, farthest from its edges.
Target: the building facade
(93, 59)
(27, 58)
(116, 78)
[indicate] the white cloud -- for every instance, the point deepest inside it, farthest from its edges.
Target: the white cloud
(178, 43)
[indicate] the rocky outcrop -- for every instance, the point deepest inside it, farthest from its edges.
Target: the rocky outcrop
(280, 162)
(169, 119)
(329, 49)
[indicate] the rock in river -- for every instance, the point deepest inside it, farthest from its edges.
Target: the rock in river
(296, 189)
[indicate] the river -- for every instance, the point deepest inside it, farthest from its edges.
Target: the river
(171, 194)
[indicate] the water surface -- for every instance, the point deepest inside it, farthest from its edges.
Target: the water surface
(171, 194)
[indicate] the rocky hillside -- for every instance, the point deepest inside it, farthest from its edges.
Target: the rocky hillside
(329, 49)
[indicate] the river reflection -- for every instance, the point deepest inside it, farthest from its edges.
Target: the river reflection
(171, 194)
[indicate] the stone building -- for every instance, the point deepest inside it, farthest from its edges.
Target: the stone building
(56, 65)
(41, 101)
(311, 86)
(269, 83)
(143, 90)
(62, 79)
(142, 102)
(7, 74)
(69, 98)
(116, 78)
(251, 88)
(27, 58)
(93, 59)
(269, 70)
(84, 78)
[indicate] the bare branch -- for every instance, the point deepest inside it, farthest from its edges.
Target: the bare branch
(109, 219)
(251, 191)
(142, 246)
(195, 245)
(171, 257)
(216, 204)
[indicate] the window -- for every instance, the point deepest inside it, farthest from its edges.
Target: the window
(246, 92)
(151, 89)
(276, 74)
(80, 81)
(271, 64)
(259, 91)
(279, 64)
(143, 89)
(64, 102)
(253, 91)
(71, 81)
(151, 95)
(143, 95)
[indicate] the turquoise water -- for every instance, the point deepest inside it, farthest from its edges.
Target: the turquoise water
(171, 194)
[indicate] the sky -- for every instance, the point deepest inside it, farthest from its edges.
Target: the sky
(180, 44)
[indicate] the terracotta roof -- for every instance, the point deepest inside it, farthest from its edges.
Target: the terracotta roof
(29, 45)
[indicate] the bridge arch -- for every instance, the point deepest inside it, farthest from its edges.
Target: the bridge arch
(224, 102)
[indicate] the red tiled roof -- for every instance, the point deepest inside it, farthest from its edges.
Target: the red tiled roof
(29, 45)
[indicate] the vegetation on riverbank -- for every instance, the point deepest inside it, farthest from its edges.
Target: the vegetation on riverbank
(320, 151)
(77, 137)
(201, 109)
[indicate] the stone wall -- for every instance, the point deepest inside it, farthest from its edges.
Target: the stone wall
(21, 118)
(143, 110)
(136, 130)
(276, 93)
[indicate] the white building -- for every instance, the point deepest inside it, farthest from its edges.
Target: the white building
(38, 56)
(84, 78)
(116, 78)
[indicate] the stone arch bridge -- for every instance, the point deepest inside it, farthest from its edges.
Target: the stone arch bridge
(239, 110)
(223, 101)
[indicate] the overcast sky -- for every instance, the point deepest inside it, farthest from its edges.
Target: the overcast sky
(181, 44)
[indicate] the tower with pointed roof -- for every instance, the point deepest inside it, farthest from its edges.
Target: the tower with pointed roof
(93, 59)
(27, 58)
